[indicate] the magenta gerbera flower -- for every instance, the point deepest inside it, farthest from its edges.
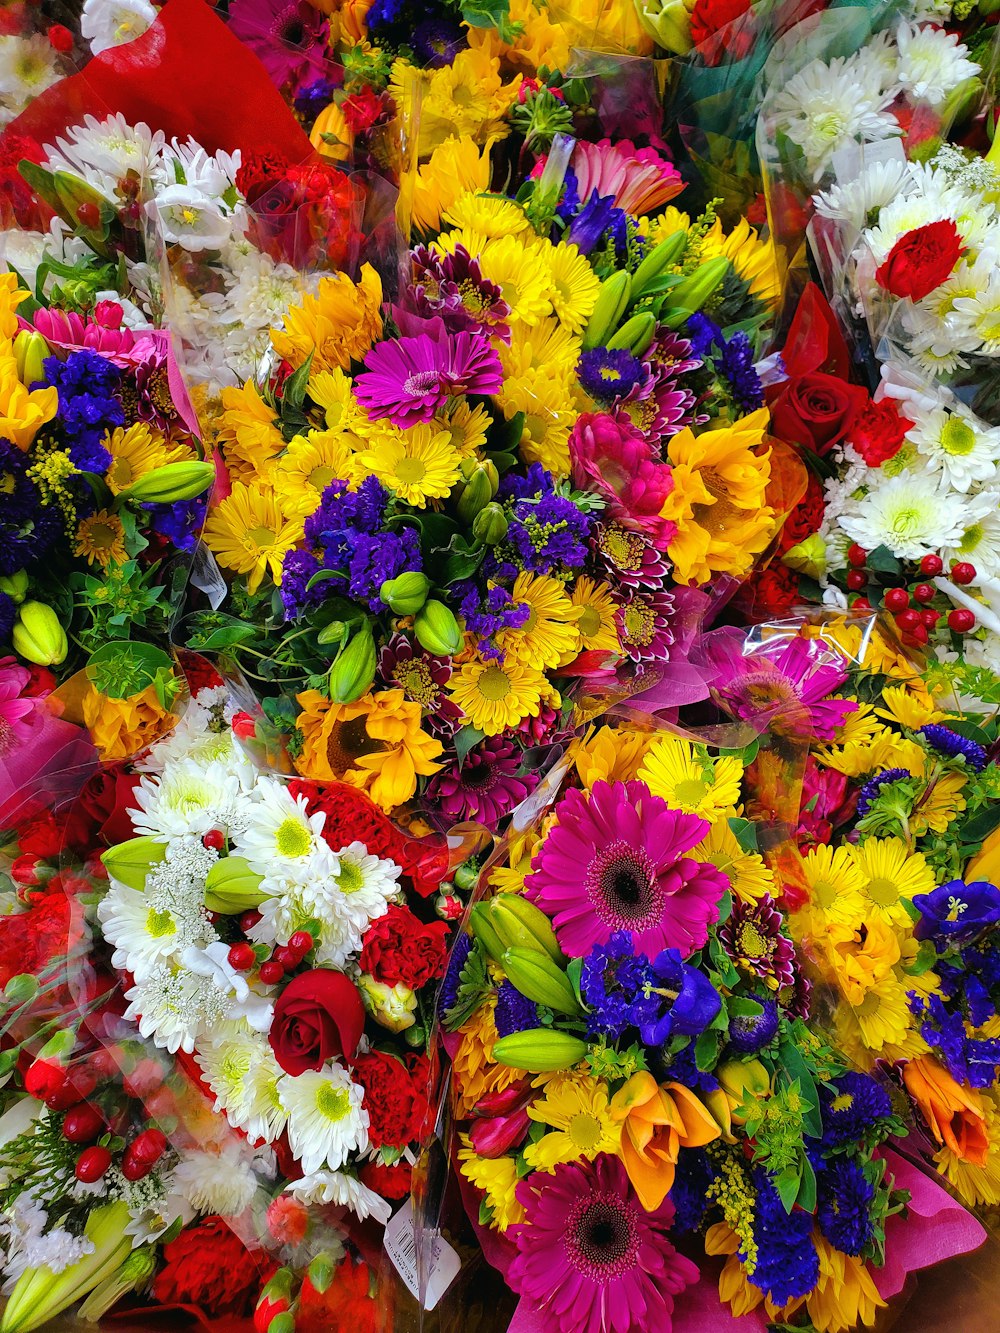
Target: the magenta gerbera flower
(615, 860)
(486, 786)
(409, 379)
(589, 1258)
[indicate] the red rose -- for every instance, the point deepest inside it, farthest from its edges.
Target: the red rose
(41, 836)
(392, 1182)
(806, 517)
(208, 1265)
(816, 410)
(318, 1016)
(710, 24)
(396, 1097)
(878, 431)
(921, 260)
(398, 947)
(99, 814)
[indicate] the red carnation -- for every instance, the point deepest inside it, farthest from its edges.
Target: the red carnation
(52, 927)
(711, 31)
(396, 1097)
(351, 816)
(806, 517)
(921, 260)
(878, 431)
(347, 1305)
(208, 1265)
(400, 948)
(40, 836)
(392, 1182)
(362, 110)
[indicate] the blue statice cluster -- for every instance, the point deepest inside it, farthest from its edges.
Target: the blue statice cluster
(950, 744)
(487, 611)
(347, 537)
(844, 1198)
(787, 1263)
(88, 406)
(688, 1194)
(546, 532)
(27, 526)
(732, 359)
(514, 1012)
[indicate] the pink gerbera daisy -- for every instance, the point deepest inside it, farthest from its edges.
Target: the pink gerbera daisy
(408, 379)
(615, 860)
(590, 1258)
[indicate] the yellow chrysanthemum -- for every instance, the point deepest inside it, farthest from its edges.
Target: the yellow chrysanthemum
(670, 221)
(466, 98)
(23, 412)
(717, 502)
(465, 425)
(248, 534)
(860, 726)
(754, 260)
(688, 779)
(100, 538)
(306, 468)
(375, 743)
(907, 709)
(836, 883)
(121, 728)
(858, 956)
(418, 464)
(549, 636)
(135, 451)
(610, 754)
(473, 1070)
(248, 433)
(548, 419)
(881, 1023)
(497, 1177)
(455, 167)
(891, 874)
(336, 326)
(497, 695)
(521, 849)
(488, 215)
(544, 350)
(575, 285)
(577, 1111)
(942, 803)
(597, 627)
(333, 391)
(521, 275)
(747, 872)
(11, 296)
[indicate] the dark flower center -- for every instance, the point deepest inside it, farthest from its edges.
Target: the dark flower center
(622, 884)
(601, 1240)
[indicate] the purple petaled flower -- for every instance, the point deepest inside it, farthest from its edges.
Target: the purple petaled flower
(597, 218)
(951, 744)
(645, 625)
(422, 677)
(448, 993)
(548, 534)
(452, 288)
(590, 1256)
(409, 379)
(617, 860)
(661, 408)
(753, 940)
(783, 684)
(181, 522)
(845, 1196)
(873, 786)
(514, 1012)
(671, 356)
(957, 911)
(627, 558)
(297, 569)
(751, 1033)
(437, 41)
(486, 787)
(615, 984)
(288, 37)
(609, 374)
(312, 98)
(682, 1002)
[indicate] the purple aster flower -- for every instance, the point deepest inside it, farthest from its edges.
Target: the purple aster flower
(644, 624)
(853, 1104)
(686, 1002)
(753, 940)
(514, 1012)
(452, 287)
(627, 558)
(486, 787)
(288, 37)
(748, 1034)
(437, 41)
(27, 527)
(180, 523)
(609, 374)
(844, 1199)
(951, 744)
(874, 785)
(409, 379)
(957, 911)
(615, 984)
(422, 677)
(735, 364)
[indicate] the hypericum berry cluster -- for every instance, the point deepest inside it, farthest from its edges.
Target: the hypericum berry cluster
(912, 606)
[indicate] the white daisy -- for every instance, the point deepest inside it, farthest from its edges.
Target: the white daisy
(108, 23)
(190, 218)
(174, 1007)
(144, 935)
(979, 315)
(876, 186)
(154, 1204)
(958, 444)
(281, 838)
(337, 1187)
(213, 174)
(910, 514)
(318, 906)
(367, 883)
(932, 62)
(104, 152)
(326, 1119)
(239, 1067)
(28, 65)
(979, 544)
(188, 799)
(223, 1182)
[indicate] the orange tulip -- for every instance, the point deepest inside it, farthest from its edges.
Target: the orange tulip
(656, 1123)
(986, 862)
(954, 1113)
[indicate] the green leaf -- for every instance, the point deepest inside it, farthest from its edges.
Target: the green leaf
(485, 13)
(294, 392)
(725, 907)
(121, 669)
(882, 561)
(741, 1006)
(464, 558)
(745, 834)
(786, 1182)
(981, 825)
(806, 1198)
(924, 961)
(574, 969)
(466, 738)
(226, 636)
(793, 1069)
(706, 1050)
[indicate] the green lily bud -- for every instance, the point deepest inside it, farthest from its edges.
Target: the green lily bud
(15, 585)
(406, 593)
(522, 925)
(478, 491)
(130, 862)
(284, 1322)
(490, 525)
(465, 876)
(30, 350)
(392, 1007)
(668, 24)
(171, 482)
(691, 294)
(353, 672)
(483, 929)
(134, 1273)
(231, 887)
(808, 557)
(437, 630)
(540, 979)
(38, 636)
(539, 1050)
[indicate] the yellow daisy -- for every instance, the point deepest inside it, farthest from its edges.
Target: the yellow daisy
(860, 726)
(688, 779)
(577, 1111)
(597, 626)
(136, 451)
(747, 872)
(941, 803)
(880, 1024)
(335, 326)
(333, 391)
(101, 539)
(418, 464)
(836, 883)
(521, 275)
(456, 166)
(907, 709)
(489, 215)
(248, 433)
(549, 636)
(249, 534)
(610, 754)
(547, 421)
(306, 468)
(465, 424)
(497, 1177)
(891, 874)
(497, 695)
(575, 285)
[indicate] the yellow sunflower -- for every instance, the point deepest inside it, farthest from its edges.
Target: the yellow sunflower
(754, 260)
(336, 326)
(497, 695)
(120, 728)
(688, 779)
(249, 534)
(597, 625)
(576, 1109)
(549, 636)
(101, 539)
(135, 451)
(418, 464)
(375, 743)
(307, 467)
(747, 872)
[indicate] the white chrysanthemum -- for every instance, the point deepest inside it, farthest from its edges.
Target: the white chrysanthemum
(174, 1007)
(980, 542)
(281, 839)
(297, 906)
(144, 935)
(224, 1182)
(876, 186)
(214, 174)
(930, 196)
(979, 315)
(154, 1204)
(108, 23)
(326, 1119)
(103, 152)
(28, 65)
(203, 732)
(934, 345)
(240, 1068)
(188, 798)
(366, 882)
(910, 514)
(826, 106)
(242, 1001)
(959, 445)
(932, 63)
(190, 218)
(258, 298)
(337, 1187)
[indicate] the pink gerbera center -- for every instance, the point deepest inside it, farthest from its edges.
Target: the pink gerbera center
(421, 382)
(602, 1241)
(622, 883)
(765, 689)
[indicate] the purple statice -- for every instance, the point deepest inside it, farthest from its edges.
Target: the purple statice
(614, 984)
(297, 569)
(747, 1035)
(844, 1198)
(409, 379)
(376, 558)
(971, 1060)
(514, 1012)
(874, 785)
(452, 288)
(850, 1106)
(448, 993)
(787, 1264)
(486, 786)
(27, 526)
(88, 408)
(313, 97)
(535, 483)
(487, 612)
(692, 1177)
(547, 534)
(8, 614)
(179, 523)
(951, 744)
(607, 374)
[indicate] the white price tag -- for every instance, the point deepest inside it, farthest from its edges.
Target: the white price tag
(401, 1247)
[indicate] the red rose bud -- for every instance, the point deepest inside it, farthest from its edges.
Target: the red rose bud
(60, 38)
(92, 1164)
(921, 260)
(317, 1017)
(494, 1138)
(82, 1123)
(244, 726)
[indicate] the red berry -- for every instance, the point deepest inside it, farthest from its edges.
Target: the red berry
(60, 38)
(82, 1123)
(918, 634)
(908, 620)
(301, 942)
(856, 579)
(924, 592)
(930, 618)
(897, 599)
(134, 1168)
(861, 604)
(271, 972)
(857, 556)
(214, 839)
(961, 620)
(149, 1146)
(963, 572)
(931, 565)
(248, 920)
(89, 214)
(80, 1082)
(92, 1164)
(242, 957)
(287, 957)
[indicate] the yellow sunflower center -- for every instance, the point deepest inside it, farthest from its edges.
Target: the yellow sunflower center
(320, 477)
(410, 471)
(348, 742)
(589, 623)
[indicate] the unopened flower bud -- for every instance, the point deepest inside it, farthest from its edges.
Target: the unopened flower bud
(392, 1007)
(353, 672)
(30, 350)
(437, 629)
(38, 636)
(171, 482)
(490, 525)
(15, 585)
(406, 593)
